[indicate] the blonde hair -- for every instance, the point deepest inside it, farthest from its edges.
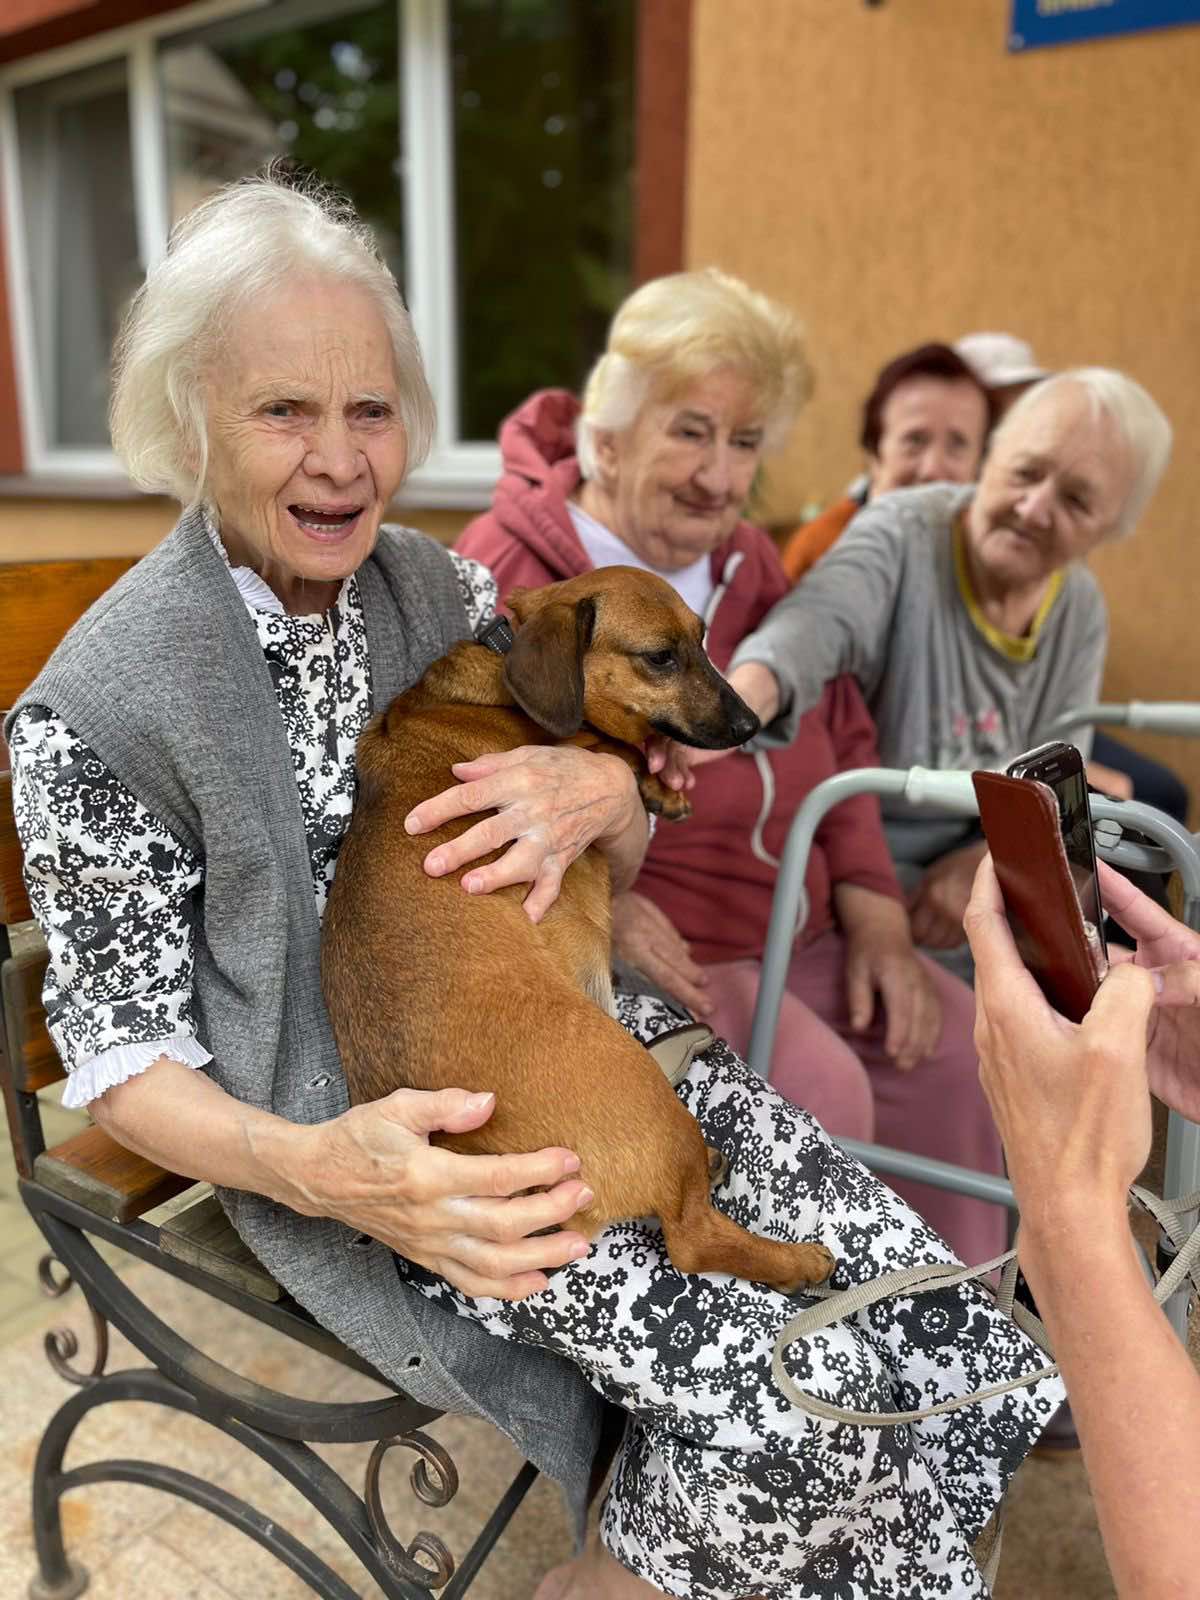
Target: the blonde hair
(674, 331)
(1138, 418)
(240, 244)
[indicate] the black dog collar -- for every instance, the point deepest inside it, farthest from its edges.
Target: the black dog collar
(496, 634)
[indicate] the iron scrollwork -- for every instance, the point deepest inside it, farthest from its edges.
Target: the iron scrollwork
(61, 1344)
(434, 1478)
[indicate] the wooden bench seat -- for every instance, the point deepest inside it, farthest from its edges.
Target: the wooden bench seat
(202, 1235)
(95, 1171)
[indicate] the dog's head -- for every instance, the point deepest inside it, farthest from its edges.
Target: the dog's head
(618, 649)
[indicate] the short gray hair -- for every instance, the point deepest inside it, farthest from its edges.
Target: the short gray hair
(1138, 418)
(240, 243)
(674, 331)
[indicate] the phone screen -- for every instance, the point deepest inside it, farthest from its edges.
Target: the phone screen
(1060, 767)
(1075, 822)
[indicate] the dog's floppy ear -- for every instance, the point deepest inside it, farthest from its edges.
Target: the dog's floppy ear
(544, 669)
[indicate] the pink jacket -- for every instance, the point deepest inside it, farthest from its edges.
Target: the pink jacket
(713, 875)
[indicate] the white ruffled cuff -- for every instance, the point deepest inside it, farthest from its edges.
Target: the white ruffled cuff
(121, 1062)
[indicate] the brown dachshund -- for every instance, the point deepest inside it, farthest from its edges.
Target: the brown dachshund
(429, 988)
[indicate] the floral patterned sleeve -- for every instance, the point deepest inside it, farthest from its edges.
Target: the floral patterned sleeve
(477, 588)
(112, 890)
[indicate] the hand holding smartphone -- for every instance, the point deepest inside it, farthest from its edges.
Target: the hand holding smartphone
(1039, 830)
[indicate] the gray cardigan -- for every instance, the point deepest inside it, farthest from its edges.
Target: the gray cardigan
(164, 679)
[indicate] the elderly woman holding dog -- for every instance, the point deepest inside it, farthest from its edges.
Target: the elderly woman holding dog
(653, 468)
(184, 773)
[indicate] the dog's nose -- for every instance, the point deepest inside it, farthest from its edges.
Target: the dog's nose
(743, 724)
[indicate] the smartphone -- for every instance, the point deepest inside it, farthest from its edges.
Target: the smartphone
(1023, 822)
(1060, 767)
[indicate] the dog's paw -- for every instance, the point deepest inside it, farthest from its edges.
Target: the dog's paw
(718, 1166)
(676, 808)
(814, 1264)
(670, 804)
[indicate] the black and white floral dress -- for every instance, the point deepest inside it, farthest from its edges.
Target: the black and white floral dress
(723, 1489)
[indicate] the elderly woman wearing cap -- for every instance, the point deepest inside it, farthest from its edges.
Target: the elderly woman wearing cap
(1004, 364)
(926, 420)
(967, 613)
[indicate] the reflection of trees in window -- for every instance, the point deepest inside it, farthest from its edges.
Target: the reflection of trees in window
(542, 94)
(543, 126)
(329, 96)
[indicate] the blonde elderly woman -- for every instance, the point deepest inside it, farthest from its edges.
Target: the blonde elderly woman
(966, 612)
(184, 771)
(700, 376)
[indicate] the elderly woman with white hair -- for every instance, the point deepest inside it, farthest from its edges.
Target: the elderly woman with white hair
(184, 770)
(700, 377)
(966, 611)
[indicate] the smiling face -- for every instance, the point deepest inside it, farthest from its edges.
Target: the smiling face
(306, 446)
(672, 486)
(931, 431)
(1053, 487)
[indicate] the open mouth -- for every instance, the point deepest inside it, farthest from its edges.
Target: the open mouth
(711, 738)
(326, 522)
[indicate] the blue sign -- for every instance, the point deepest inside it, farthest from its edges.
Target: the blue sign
(1042, 22)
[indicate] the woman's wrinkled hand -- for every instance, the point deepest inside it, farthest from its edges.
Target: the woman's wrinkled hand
(938, 903)
(672, 762)
(1070, 1102)
(467, 1218)
(880, 960)
(647, 939)
(548, 802)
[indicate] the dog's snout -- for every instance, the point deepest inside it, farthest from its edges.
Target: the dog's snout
(743, 724)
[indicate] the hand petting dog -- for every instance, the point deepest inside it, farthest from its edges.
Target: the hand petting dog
(549, 802)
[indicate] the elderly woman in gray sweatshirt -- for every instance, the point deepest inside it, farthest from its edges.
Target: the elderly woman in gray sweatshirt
(965, 611)
(184, 771)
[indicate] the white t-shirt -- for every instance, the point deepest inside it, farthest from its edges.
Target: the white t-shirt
(693, 584)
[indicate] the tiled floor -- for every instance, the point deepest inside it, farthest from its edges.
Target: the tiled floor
(136, 1540)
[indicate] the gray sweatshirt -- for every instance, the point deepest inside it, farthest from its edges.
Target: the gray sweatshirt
(886, 604)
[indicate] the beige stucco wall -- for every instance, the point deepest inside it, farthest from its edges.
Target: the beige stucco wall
(896, 175)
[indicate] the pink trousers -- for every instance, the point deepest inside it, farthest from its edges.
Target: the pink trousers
(851, 1087)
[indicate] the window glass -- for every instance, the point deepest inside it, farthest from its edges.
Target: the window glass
(294, 81)
(543, 97)
(81, 242)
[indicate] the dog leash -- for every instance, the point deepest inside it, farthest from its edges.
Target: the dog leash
(835, 1305)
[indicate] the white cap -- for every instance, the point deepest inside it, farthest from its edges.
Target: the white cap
(998, 359)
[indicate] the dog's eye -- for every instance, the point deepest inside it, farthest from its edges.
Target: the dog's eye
(659, 658)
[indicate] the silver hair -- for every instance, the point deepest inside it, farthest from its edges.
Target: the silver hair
(625, 391)
(241, 243)
(1138, 418)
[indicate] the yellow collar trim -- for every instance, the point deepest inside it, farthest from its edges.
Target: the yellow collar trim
(1017, 647)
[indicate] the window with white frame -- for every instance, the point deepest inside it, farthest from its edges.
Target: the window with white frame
(489, 144)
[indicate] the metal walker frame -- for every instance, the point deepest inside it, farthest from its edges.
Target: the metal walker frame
(951, 793)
